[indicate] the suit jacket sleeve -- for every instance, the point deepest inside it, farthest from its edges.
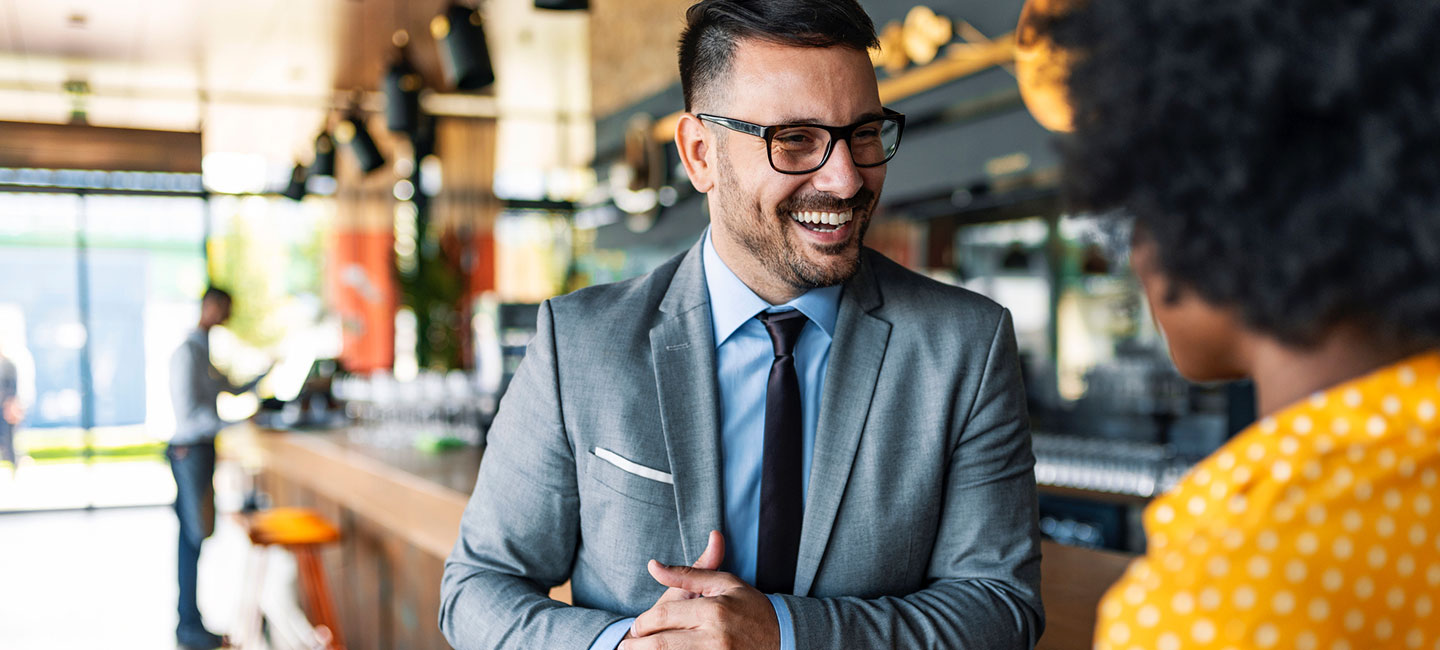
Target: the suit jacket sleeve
(984, 573)
(519, 532)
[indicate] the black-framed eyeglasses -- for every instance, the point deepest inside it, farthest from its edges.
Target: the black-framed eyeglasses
(804, 148)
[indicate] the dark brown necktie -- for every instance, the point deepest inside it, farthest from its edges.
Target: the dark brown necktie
(781, 505)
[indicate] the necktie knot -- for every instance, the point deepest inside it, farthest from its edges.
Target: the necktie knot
(784, 328)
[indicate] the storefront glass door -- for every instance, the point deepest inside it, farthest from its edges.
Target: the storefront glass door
(96, 290)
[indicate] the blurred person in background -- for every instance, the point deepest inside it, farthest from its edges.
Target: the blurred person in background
(1279, 159)
(195, 383)
(11, 410)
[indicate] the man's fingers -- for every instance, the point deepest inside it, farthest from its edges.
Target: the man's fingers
(714, 552)
(669, 640)
(673, 594)
(709, 560)
(678, 615)
(699, 581)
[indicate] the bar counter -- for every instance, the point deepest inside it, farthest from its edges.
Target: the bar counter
(399, 511)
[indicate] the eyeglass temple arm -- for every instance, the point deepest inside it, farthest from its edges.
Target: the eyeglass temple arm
(734, 125)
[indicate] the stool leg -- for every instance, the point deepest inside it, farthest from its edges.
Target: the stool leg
(317, 592)
(307, 585)
(247, 622)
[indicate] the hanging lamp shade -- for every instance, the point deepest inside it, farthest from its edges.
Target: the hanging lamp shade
(324, 163)
(352, 132)
(1042, 67)
(402, 85)
(464, 55)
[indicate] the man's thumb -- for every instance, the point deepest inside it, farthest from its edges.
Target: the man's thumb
(699, 581)
(714, 553)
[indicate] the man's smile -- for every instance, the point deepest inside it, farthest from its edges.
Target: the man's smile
(822, 221)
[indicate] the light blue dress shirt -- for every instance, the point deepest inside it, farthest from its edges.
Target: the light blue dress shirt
(743, 354)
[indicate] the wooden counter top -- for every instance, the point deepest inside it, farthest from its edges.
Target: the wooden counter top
(409, 492)
(1072, 580)
(420, 498)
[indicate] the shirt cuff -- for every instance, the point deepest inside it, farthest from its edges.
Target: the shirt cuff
(610, 638)
(787, 624)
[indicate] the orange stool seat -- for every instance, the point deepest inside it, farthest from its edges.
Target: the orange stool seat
(289, 527)
(303, 532)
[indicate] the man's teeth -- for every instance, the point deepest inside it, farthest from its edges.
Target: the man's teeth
(823, 218)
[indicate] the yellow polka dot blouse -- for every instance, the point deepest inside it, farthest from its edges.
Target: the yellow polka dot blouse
(1318, 528)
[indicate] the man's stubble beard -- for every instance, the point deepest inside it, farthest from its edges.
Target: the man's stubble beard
(748, 221)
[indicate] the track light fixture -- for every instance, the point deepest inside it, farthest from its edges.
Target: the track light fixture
(402, 85)
(464, 55)
(296, 189)
(351, 131)
(324, 163)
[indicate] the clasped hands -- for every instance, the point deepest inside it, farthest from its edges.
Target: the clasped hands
(704, 608)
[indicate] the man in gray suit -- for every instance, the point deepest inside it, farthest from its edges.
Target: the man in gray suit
(816, 447)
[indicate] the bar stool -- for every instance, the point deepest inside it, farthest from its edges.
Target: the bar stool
(303, 532)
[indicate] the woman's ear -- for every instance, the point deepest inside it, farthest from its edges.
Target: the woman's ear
(1207, 342)
(693, 141)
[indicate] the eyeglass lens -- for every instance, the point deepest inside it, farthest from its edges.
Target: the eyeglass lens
(802, 148)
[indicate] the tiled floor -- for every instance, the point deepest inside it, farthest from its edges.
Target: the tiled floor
(106, 578)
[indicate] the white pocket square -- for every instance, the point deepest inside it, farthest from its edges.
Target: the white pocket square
(631, 466)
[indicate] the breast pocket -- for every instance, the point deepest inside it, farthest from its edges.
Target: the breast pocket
(636, 480)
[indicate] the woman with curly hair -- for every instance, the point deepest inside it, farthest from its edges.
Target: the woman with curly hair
(1281, 160)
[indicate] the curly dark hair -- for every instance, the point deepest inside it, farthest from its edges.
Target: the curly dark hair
(1283, 155)
(713, 27)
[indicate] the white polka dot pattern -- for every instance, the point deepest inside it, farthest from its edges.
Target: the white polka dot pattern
(1317, 528)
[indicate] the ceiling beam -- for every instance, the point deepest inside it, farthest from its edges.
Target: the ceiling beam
(78, 146)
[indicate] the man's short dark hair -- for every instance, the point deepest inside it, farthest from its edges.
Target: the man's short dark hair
(1281, 155)
(714, 27)
(216, 293)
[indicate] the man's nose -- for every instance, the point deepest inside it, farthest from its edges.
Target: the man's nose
(839, 176)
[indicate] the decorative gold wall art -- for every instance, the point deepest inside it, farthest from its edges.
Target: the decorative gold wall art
(891, 53)
(925, 33)
(916, 40)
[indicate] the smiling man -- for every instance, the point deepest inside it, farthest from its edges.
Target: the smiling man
(779, 439)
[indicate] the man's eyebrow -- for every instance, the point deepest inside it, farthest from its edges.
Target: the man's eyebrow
(805, 119)
(797, 119)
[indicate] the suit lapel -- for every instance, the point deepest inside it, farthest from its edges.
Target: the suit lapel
(856, 354)
(683, 350)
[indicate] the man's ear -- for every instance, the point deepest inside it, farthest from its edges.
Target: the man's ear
(693, 141)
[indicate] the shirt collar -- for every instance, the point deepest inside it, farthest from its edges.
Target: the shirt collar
(732, 303)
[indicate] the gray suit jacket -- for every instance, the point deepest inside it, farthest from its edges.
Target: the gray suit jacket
(920, 525)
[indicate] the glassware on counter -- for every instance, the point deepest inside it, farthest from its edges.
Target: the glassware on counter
(432, 411)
